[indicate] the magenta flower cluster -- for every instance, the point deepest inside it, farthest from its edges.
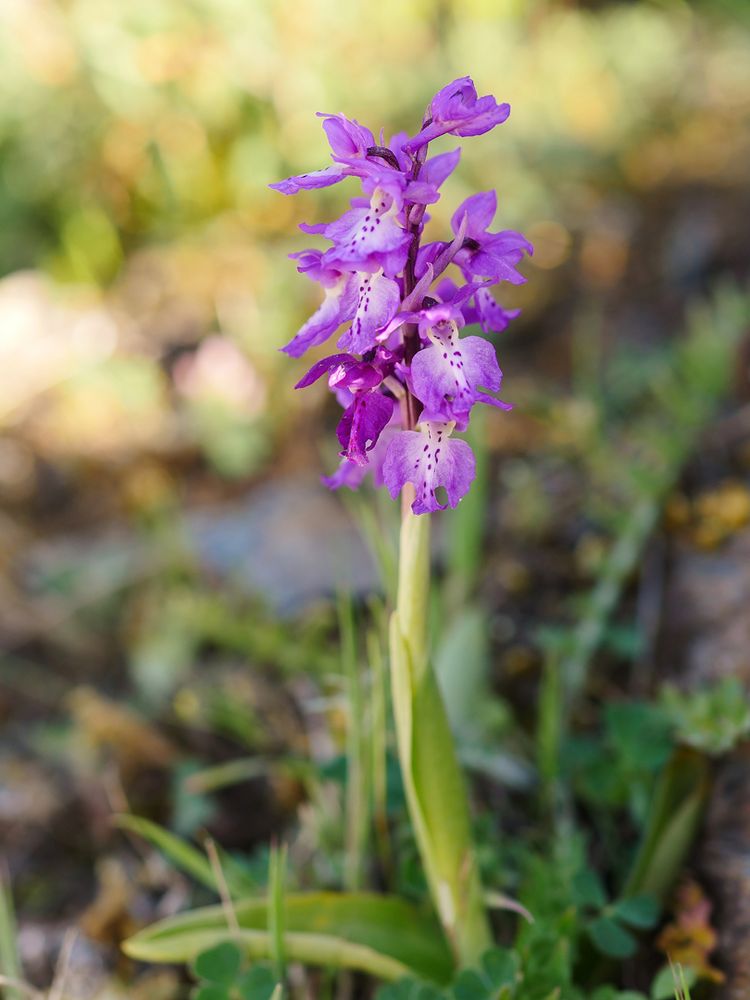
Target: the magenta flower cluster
(404, 374)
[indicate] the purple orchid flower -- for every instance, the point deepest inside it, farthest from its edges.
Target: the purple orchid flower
(450, 375)
(347, 139)
(404, 374)
(371, 228)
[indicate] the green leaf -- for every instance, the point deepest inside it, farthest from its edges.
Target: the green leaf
(637, 911)
(382, 935)
(409, 989)
(611, 939)
(210, 992)
(666, 980)
(588, 889)
(674, 815)
(219, 964)
(461, 665)
(494, 979)
(469, 985)
(501, 966)
(433, 779)
(640, 732)
(257, 984)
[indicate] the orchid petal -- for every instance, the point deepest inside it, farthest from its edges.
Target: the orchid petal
(339, 306)
(314, 179)
(362, 423)
(377, 301)
(429, 459)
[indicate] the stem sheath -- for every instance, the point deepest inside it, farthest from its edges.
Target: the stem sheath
(435, 790)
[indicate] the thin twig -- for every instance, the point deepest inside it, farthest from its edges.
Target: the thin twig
(57, 990)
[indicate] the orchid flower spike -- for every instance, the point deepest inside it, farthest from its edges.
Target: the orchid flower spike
(406, 375)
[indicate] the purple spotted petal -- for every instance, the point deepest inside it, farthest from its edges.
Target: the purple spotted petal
(366, 230)
(448, 375)
(362, 423)
(377, 301)
(339, 306)
(429, 459)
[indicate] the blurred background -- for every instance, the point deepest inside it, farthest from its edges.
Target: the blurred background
(162, 524)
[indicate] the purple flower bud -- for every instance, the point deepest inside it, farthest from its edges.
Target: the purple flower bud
(456, 110)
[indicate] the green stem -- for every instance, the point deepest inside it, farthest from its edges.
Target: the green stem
(435, 790)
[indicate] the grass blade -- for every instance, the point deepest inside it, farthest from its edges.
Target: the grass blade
(10, 965)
